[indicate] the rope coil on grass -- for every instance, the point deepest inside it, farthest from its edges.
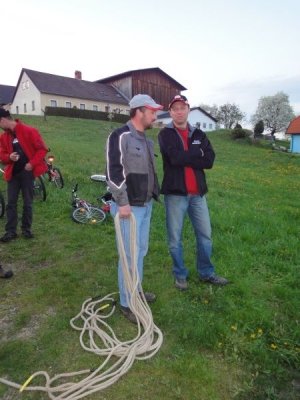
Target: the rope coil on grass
(91, 323)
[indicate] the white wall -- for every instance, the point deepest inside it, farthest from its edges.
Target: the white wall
(206, 123)
(25, 95)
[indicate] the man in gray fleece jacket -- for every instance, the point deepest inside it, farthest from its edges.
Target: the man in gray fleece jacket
(133, 182)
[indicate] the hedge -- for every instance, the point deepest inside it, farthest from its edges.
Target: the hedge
(85, 114)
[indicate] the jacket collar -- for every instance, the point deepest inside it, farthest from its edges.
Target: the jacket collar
(134, 131)
(190, 127)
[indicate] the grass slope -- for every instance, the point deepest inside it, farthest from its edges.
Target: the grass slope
(238, 342)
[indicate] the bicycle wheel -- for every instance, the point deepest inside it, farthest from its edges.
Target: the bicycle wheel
(39, 190)
(2, 205)
(92, 215)
(57, 178)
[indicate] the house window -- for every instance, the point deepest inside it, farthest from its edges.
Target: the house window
(23, 85)
(32, 105)
(95, 107)
(68, 104)
(53, 103)
(82, 106)
(210, 126)
(25, 108)
(107, 108)
(17, 110)
(198, 124)
(204, 125)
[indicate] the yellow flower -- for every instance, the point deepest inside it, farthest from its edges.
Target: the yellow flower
(253, 336)
(220, 344)
(233, 327)
(205, 301)
(259, 331)
(273, 346)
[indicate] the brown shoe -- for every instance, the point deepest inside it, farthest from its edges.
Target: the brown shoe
(128, 314)
(215, 280)
(150, 297)
(181, 284)
(5, 274)
(8, 236)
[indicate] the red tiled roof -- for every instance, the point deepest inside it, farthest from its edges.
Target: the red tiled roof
(294, 127)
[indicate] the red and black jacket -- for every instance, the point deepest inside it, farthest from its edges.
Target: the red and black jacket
(199, 156)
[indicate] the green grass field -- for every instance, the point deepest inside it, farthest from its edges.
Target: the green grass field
(237, 342)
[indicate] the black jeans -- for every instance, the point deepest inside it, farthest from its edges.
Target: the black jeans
(21, 181)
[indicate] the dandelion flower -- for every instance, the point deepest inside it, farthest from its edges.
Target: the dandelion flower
(259, 331)
(233, 327)
(253, 336)
(273, 346)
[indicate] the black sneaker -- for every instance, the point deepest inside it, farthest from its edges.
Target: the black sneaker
(215, 280)
(181, 284)
(27, 235)
(8, 236)
(150, 297)
(5, 274)
(128, 314)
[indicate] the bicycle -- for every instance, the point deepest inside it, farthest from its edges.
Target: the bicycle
(84, 212)
(54, 176)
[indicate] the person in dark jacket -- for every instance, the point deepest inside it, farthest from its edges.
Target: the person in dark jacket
(186, 153)
(133, 183)
(22, 150)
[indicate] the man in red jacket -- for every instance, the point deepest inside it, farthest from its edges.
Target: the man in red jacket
(22, 150)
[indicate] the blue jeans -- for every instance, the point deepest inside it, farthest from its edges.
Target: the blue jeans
(142, 216)
(196, 208)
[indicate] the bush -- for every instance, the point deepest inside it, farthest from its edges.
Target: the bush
(239, 133)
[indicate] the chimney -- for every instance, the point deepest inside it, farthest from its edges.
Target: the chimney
(78, 75)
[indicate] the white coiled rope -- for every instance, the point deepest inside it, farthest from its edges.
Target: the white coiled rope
(93, 325)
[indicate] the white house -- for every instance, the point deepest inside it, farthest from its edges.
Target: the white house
(197, 117)
(35, 90)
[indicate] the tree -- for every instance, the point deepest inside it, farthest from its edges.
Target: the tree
(212, 110)
(229, 114)
(259, 128)
(275, 112)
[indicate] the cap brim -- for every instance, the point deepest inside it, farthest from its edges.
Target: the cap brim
(177, 101)
(155, 108)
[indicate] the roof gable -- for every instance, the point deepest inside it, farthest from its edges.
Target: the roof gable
(72, 87)
(204, 112)
(294, 127)
(132, 72)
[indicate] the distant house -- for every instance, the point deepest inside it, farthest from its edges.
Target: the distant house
(153, 81)
(294, 130)
(197, 117)
(6, 95)
(36, 90)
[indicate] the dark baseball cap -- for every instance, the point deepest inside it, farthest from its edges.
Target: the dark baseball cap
(179, 97)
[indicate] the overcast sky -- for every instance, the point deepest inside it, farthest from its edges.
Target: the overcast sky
(221, 51)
